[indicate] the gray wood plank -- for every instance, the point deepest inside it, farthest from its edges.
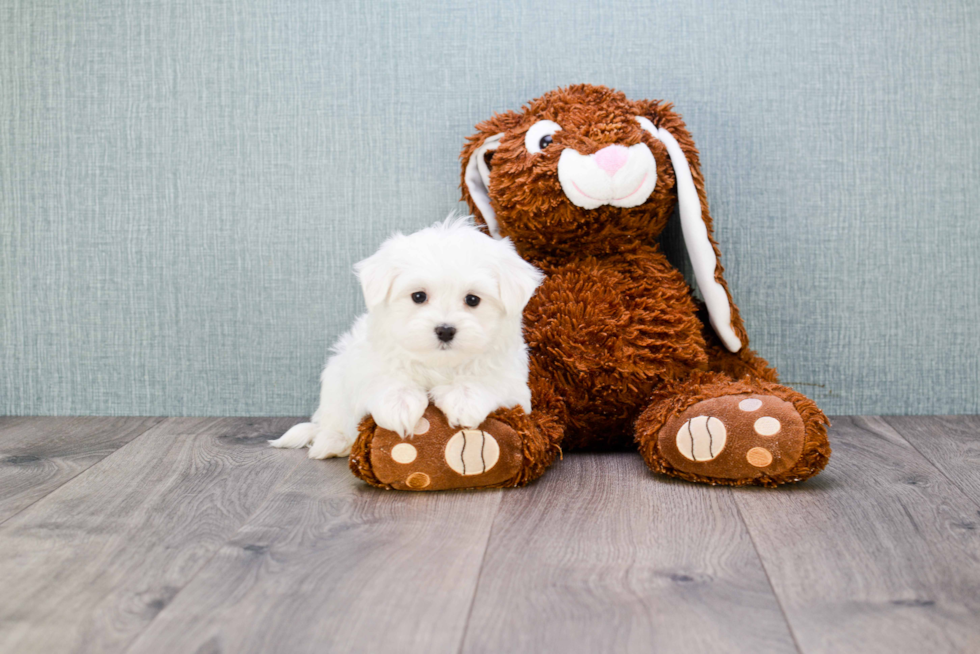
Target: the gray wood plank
(880, 553)
(86, 568)
(330, 564)
(951, 443)
(37, 455)
(603, 556)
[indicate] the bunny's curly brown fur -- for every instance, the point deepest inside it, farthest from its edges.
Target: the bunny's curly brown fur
(617, 340)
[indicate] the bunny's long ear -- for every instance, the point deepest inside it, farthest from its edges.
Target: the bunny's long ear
(476, 180)
(696, 227)
(476, 169)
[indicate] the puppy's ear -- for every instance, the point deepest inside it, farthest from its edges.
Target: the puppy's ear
(476, 159)
(668, 128)
(517, 279)
(377, 274)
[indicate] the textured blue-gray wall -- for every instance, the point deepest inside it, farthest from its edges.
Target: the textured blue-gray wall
(184, 184)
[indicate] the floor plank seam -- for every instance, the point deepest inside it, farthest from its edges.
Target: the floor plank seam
(479, 576)
(964, 491)
(762, 563)
(68, 480)
(215, 553)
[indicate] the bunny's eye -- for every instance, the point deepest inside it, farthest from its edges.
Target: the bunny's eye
(540, 135)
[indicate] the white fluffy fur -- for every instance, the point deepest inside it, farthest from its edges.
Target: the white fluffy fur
(391, 363)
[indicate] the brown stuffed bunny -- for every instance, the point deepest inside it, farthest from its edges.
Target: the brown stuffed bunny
(583, 180)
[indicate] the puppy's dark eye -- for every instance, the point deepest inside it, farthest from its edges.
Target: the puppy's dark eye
(418, 297)
(545, 141)
(471, 300)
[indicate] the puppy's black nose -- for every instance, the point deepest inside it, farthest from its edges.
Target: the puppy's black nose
(445, 333)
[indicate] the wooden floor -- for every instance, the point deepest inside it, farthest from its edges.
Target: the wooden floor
(191, 535)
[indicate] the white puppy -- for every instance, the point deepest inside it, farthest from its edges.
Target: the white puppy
(443, 323)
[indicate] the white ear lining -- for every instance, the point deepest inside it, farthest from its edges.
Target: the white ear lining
(699, 247)
(478, 182)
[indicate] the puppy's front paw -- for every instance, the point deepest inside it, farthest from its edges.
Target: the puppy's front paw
(464, 406)
(400, 411)
(328, 444)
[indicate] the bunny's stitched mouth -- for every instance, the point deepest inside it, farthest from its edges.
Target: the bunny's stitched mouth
(619, 199)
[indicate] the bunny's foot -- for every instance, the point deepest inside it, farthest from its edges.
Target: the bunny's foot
(710, 428)
(507, 449)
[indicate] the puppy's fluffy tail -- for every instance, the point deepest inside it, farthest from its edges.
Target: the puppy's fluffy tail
(298, 436)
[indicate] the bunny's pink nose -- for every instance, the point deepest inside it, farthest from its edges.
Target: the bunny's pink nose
(611, 158)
